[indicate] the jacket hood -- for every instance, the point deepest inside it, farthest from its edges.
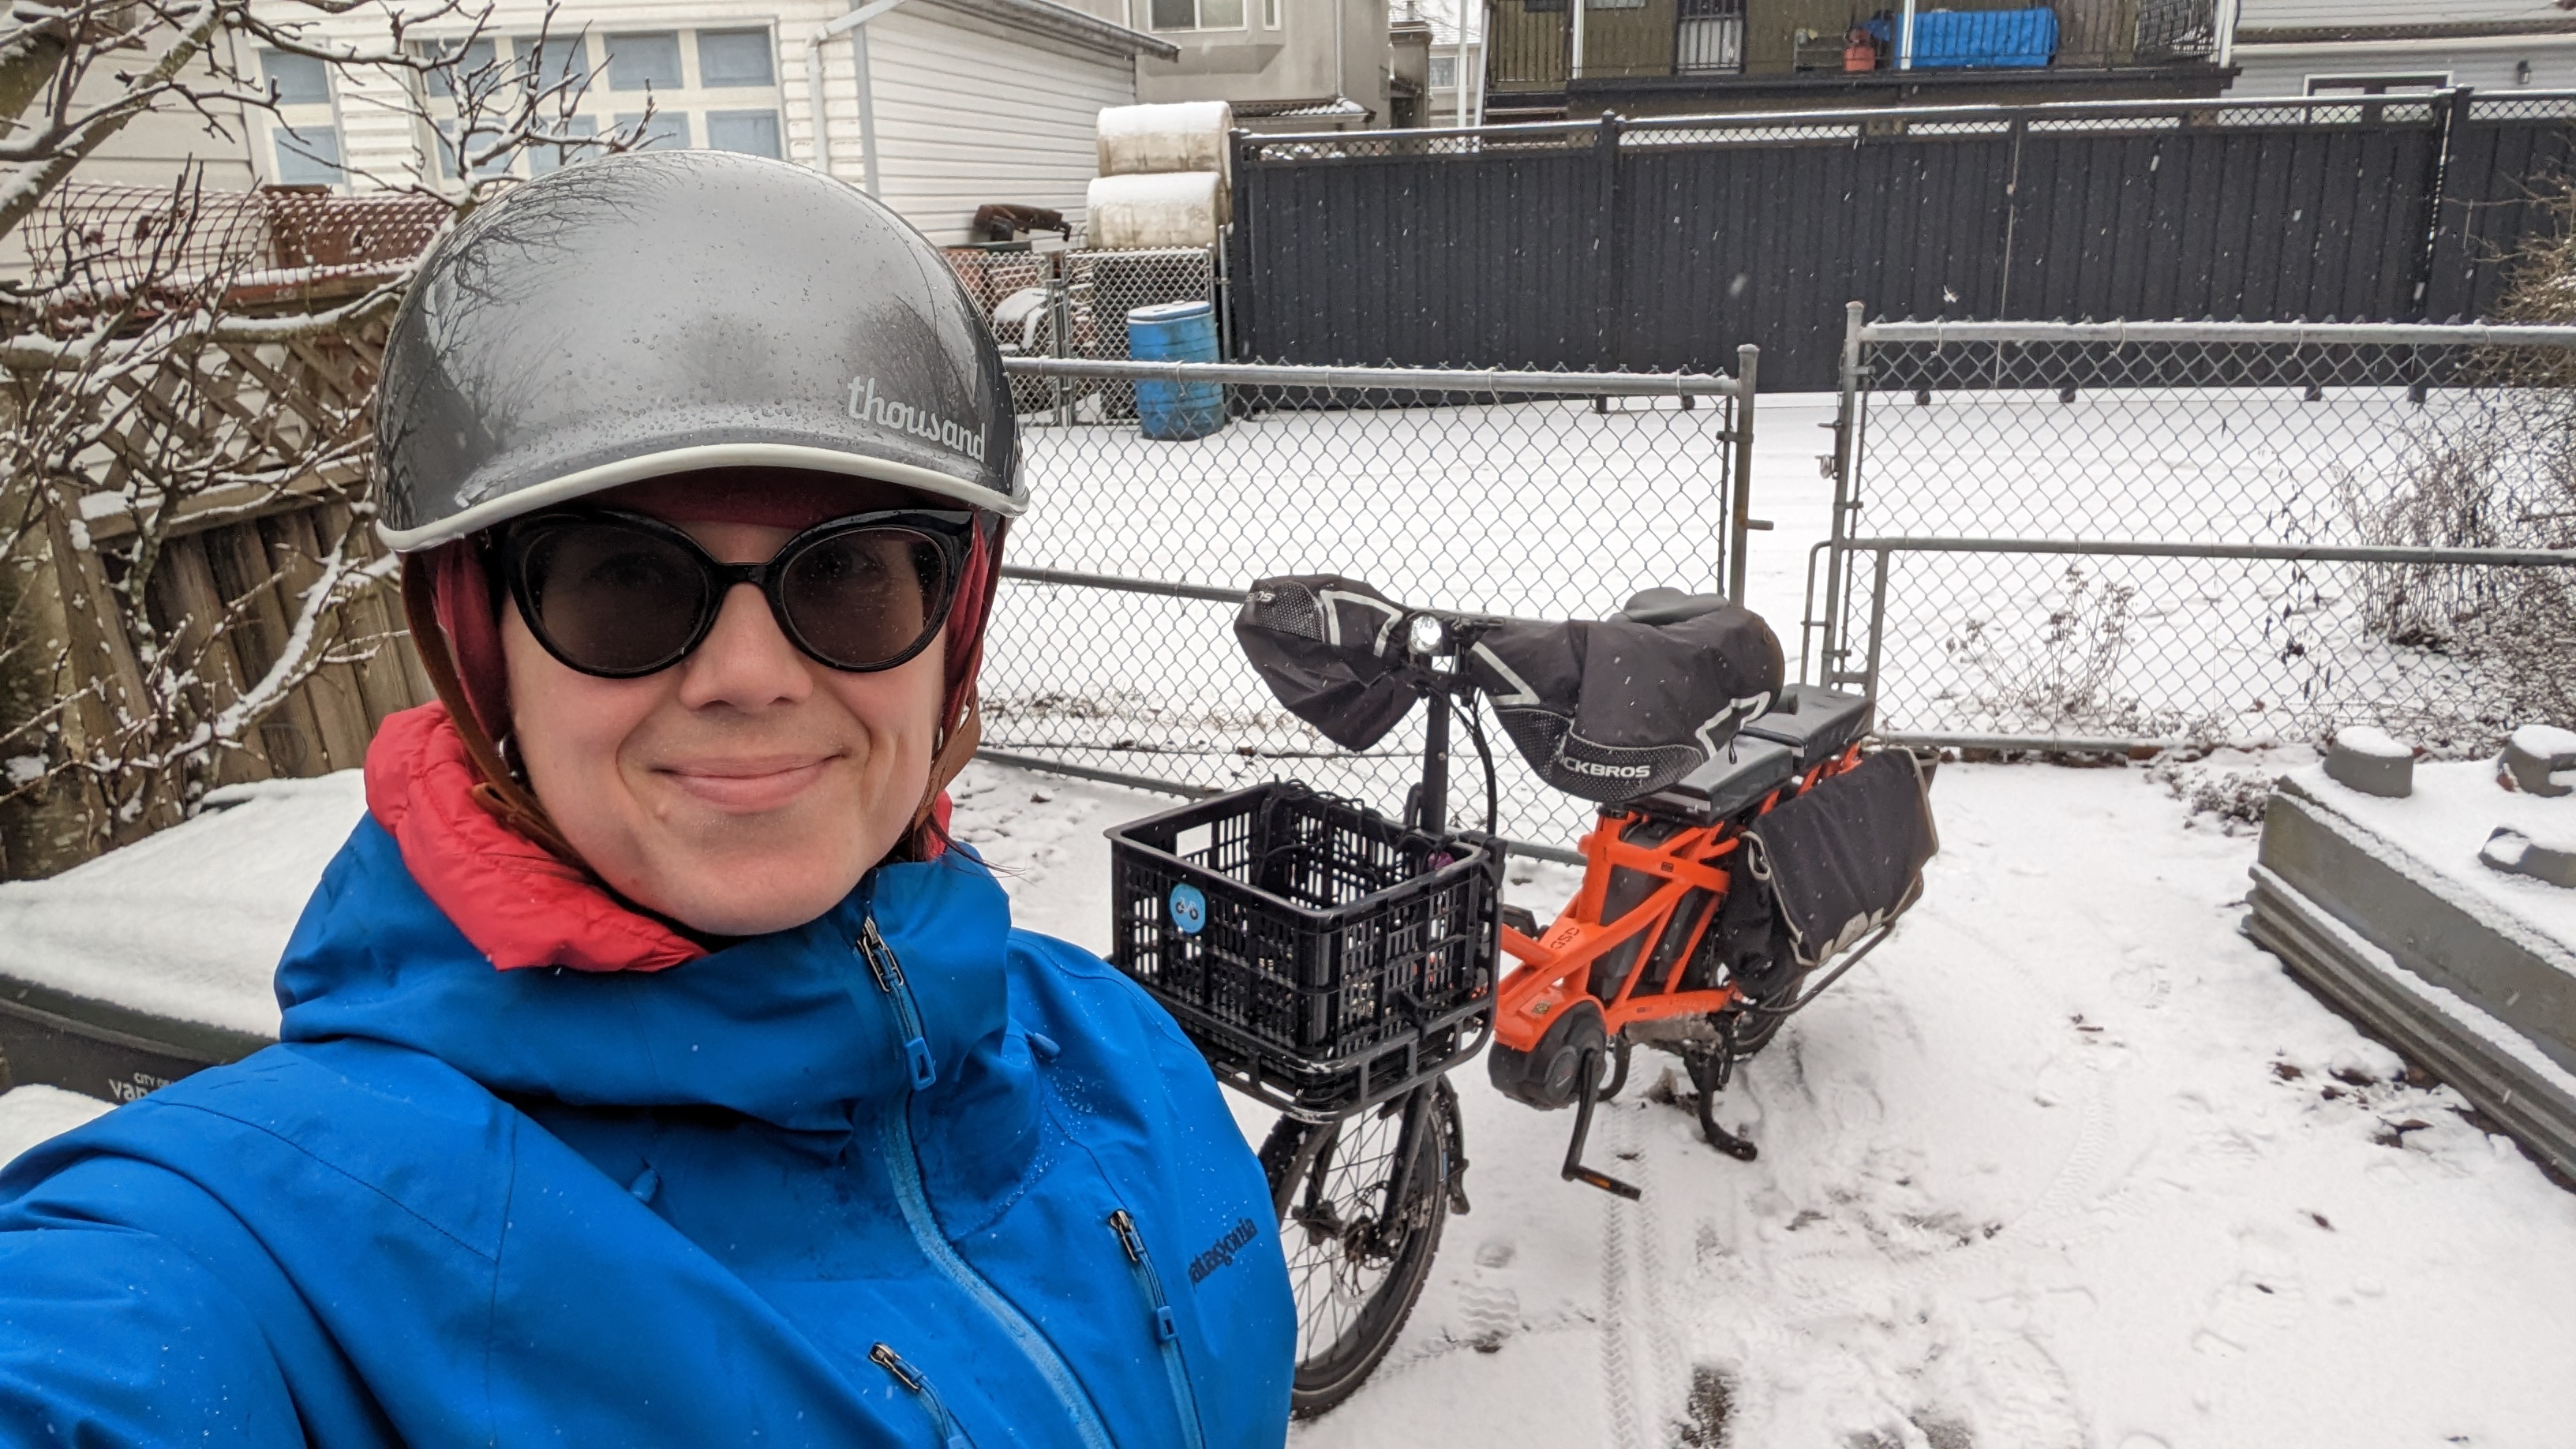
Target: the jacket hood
(519, 905)
(793, 1028)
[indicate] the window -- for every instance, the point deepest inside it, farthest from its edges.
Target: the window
(305, 149)
(753, 131)
(296, 80)
(1444, 72)
(1198, 14)
(734, 58)
(2374, 85)
(542, 159)
(477, 59)
(648, 60)
(309, 157)
(668, 130)
(1270, 14)
(552, 59)
(716, 88)
(474, 141)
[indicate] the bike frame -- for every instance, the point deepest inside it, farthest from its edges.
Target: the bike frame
(1556, 963)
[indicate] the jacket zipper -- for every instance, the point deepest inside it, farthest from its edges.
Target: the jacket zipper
(1167, 1329)
(903, 1164)
(889, 974)
(951, 1435)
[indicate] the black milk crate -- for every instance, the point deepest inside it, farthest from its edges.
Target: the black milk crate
(1324, 958)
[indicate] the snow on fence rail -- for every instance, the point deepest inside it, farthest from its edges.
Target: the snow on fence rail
(1539, 494)
(2105, 535)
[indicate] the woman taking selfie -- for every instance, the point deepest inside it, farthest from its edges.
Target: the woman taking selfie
(654, 1068)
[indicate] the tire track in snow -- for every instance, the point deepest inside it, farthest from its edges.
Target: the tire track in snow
(1618, 1237)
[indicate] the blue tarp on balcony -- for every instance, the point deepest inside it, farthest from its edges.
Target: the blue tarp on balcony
(1959, 39)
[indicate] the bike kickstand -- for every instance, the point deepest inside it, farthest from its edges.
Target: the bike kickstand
(1709, 1084)
(1575, 1171)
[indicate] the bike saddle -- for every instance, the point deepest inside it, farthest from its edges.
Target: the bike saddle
(1736, 779)
(1669, 606)
(1817, 723)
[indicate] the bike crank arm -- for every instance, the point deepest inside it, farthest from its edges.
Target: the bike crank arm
(1575, 1171)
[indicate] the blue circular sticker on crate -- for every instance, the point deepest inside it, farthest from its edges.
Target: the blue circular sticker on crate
(1189, 909)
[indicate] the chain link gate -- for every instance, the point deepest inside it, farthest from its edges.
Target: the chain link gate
(1537, 494)
(2114, 536)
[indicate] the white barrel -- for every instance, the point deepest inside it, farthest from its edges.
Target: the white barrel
(1176, 209)
(1178, 136)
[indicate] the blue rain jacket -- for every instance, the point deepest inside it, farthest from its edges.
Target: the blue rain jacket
(904, 1176)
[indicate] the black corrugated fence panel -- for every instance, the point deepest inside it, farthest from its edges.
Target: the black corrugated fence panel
(1422, 260)
(2504, 174)
(1665, 245)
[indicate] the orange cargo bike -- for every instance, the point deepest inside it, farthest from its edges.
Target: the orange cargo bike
(1753, 844)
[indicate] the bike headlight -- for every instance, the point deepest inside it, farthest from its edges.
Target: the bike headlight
(1426, 635)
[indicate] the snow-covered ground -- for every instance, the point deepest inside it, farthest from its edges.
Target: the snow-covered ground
(2066, 1162)
(31, 1114)
(187, 923)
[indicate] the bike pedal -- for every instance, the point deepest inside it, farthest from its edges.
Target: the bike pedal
(1605, 1182)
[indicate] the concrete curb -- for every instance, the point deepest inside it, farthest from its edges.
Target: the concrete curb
(2482, 1000)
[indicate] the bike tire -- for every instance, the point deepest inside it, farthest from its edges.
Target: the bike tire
(1355, 1281)
(1761, 1026)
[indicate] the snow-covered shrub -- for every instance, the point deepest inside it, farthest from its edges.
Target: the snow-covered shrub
(2499, 473)
(2061, 670)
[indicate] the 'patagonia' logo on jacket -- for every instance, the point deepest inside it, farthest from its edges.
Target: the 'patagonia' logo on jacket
(867, 407)
(1221, 1253)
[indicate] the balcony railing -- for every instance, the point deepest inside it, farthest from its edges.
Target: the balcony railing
(1540, 45)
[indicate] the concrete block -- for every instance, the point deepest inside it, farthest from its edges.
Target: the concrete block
(2372, 761)
(2539, 760)
(2514, 853)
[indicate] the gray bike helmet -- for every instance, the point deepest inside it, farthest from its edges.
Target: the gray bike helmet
(642, 315)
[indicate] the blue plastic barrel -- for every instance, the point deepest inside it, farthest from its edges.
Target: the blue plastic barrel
(1176, 332)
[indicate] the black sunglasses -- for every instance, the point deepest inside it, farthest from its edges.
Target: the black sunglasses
(620, 595)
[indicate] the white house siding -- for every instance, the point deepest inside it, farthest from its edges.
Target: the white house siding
(969, 112)
(2340, 14)
(151, 149)
(2488, 63)
(2552, 58)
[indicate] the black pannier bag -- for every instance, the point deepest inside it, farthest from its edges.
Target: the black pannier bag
(1604, 710)
(1845, 857)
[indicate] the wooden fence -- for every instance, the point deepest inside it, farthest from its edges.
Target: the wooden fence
(267, 620)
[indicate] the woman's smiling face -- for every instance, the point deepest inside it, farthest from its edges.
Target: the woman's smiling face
(745, 789)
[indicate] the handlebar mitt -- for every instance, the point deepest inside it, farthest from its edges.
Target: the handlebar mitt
(1325, 645)
(1609, 710)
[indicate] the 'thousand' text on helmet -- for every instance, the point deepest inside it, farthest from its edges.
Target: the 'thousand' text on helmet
(643, 315)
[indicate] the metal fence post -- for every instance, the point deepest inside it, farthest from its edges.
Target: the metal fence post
(1060, 304)
(1838, 522)
(1748, 360)
(1877, 625)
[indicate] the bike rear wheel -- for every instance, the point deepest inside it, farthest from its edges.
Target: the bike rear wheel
(1357, 1255)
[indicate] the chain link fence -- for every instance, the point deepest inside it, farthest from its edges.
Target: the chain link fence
(2159, 533)
(1542, 495)
(1075, 303)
